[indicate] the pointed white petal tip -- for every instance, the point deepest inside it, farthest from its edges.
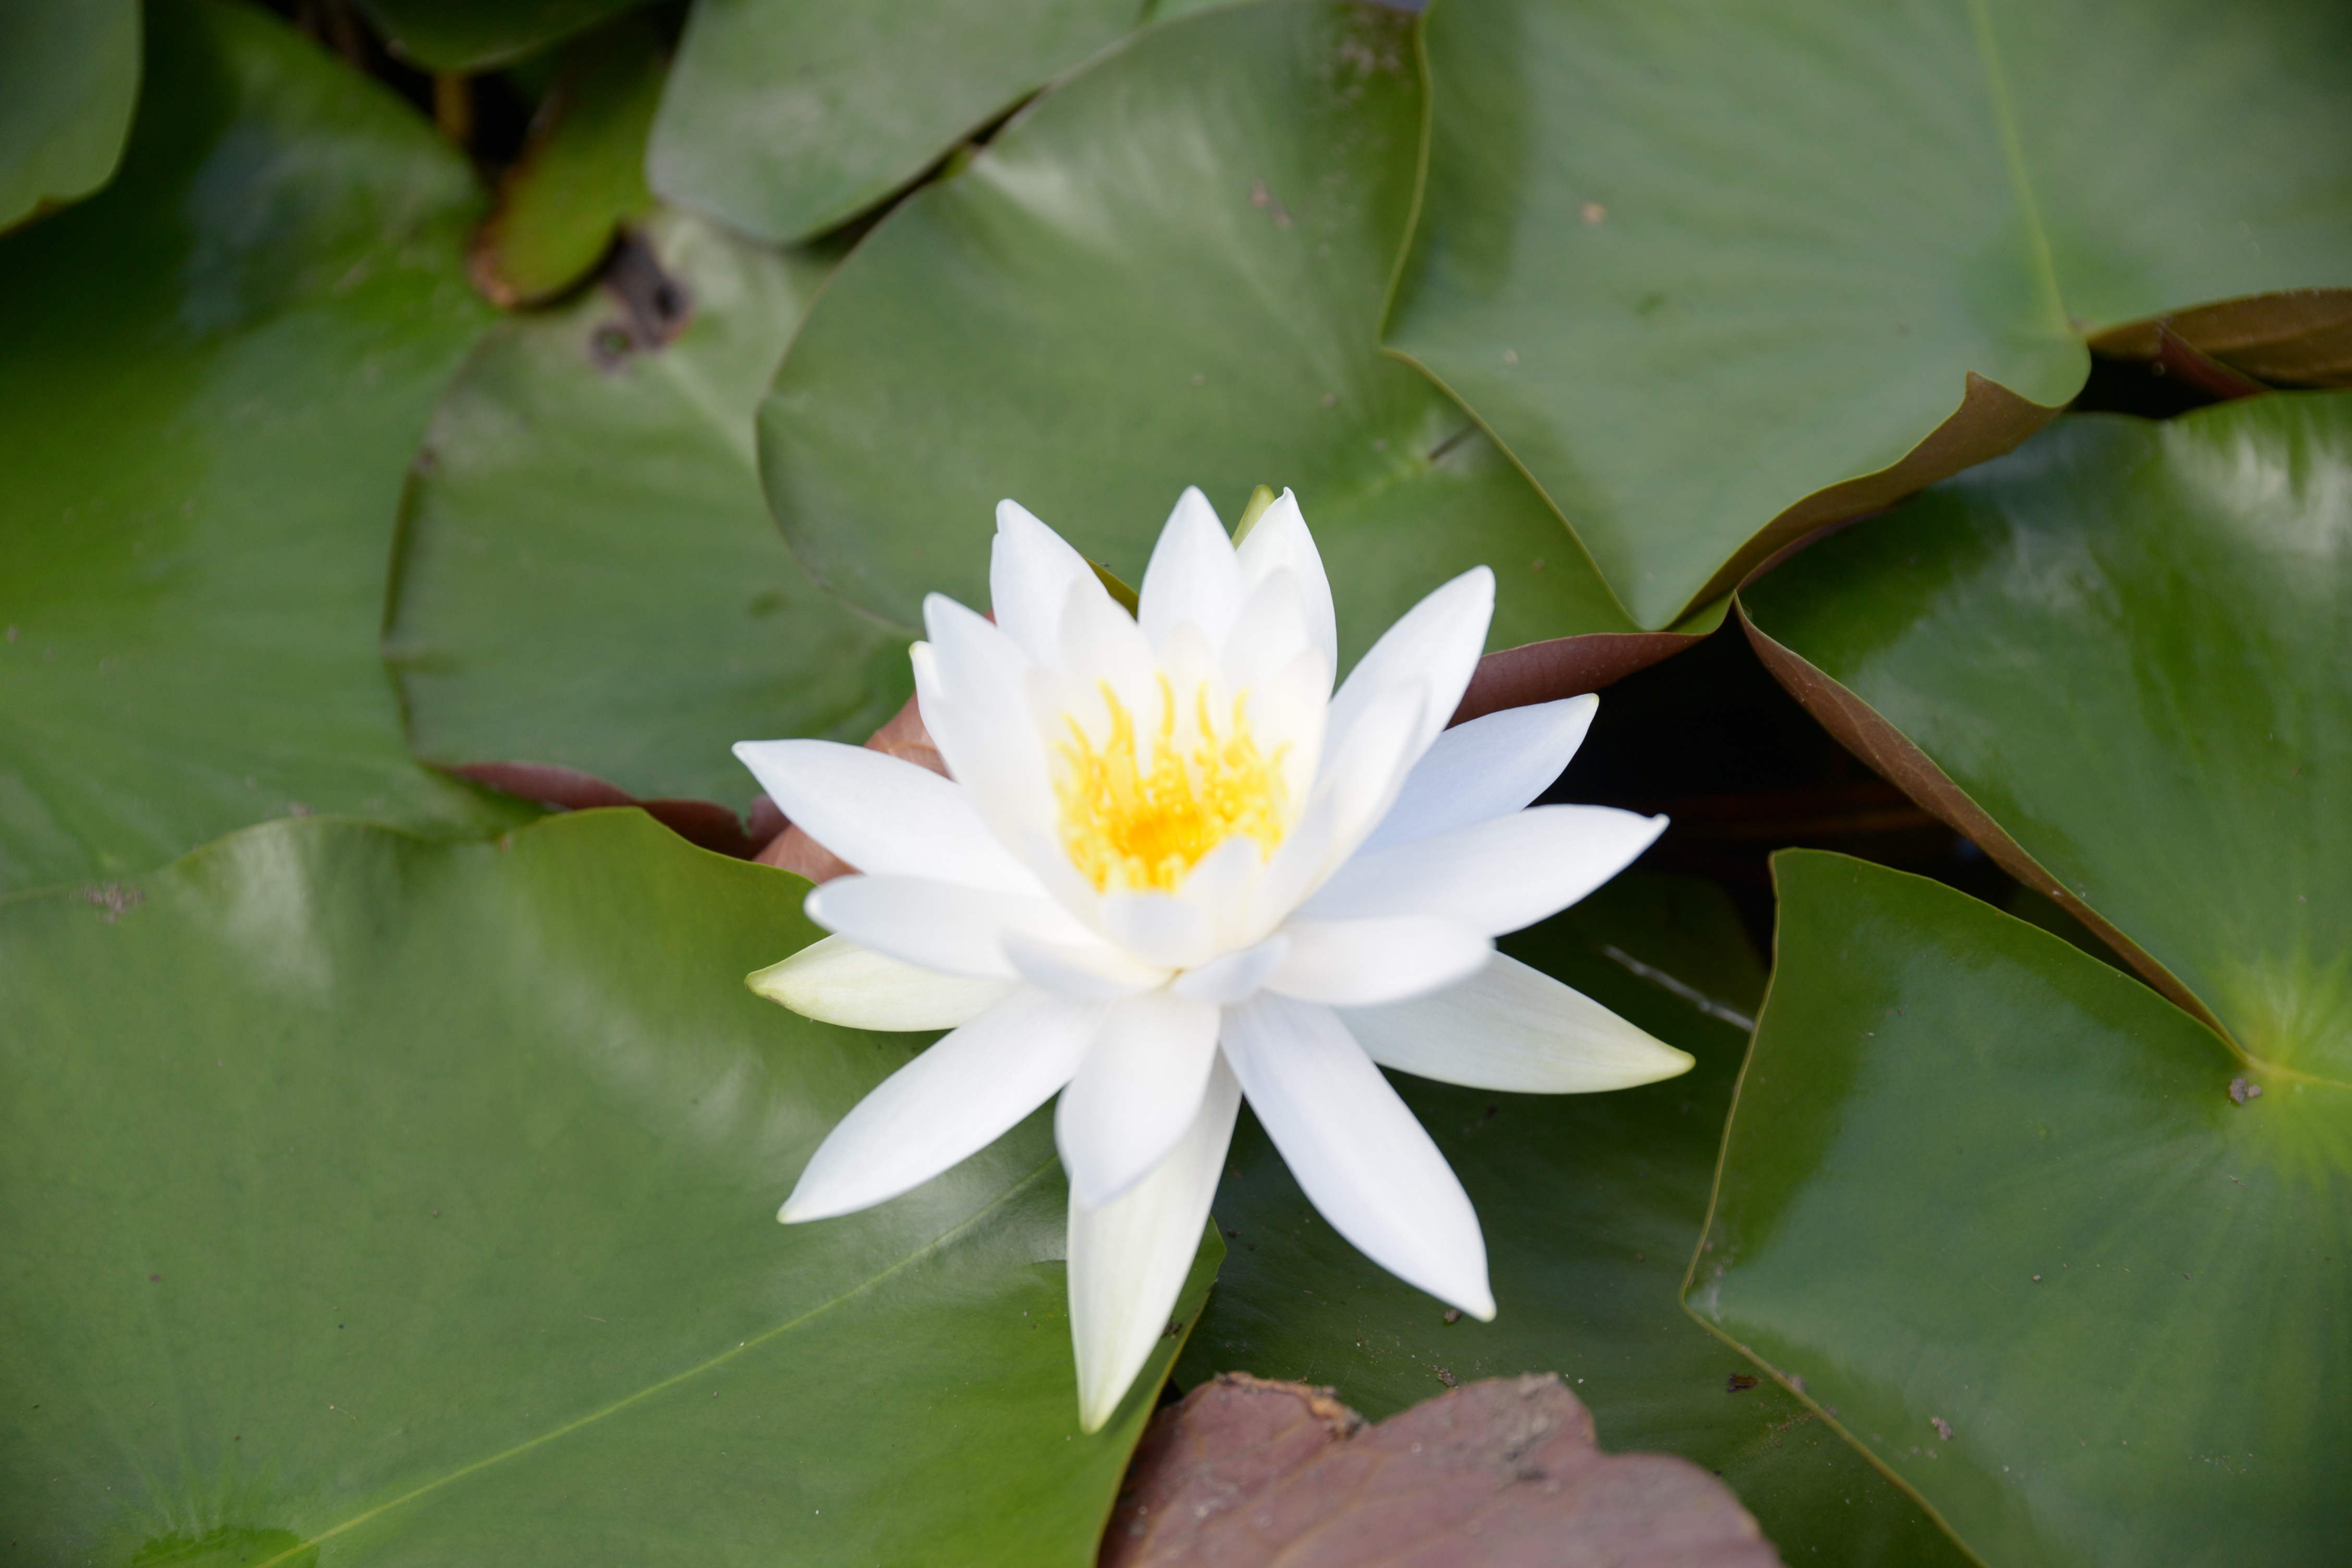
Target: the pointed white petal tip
(835, 980)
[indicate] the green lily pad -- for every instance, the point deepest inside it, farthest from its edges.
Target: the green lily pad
(1996, 1205)
(1716, 277)
(68, 81)
(477, 34)
(582, 173)
(204, 426)
(786, 120)
(1164, 272)
(416, 1204)
(1591, 1205)
(2120, 660)
(588, 578)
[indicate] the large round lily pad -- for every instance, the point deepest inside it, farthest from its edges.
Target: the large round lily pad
(1999, 1210)
(2121, 660)
(1716, 275)
(588, 578)
(204, 422)
(375, 1202)
(1591, 1205)
(1166, 272)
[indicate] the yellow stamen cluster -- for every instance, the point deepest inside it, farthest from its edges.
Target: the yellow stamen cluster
(1130, 827)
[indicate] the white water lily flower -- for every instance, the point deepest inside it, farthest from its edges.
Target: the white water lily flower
(1171, 869)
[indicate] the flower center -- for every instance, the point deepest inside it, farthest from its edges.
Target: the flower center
(1131, 825)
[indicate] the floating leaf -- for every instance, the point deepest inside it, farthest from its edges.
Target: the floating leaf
(1164, 272)
(2121, 661)
(416, 1204)
(1715, 277)
(475, 35)
(1250, 1474)
(1591, 1205)
(587, 575)
(204, 425)
(68, 81)
(786, 120)
(582, 170)
(2000, 1209)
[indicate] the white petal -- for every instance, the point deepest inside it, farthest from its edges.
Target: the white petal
(1234, 977)
(991, 747)
(1279, 542)
(1101, 642)
(1129, 1259)
(978, 675)
(1219, 884)
(1360, 963)
(1489, 767)
(1438, 642)
(1158, 928)
(837, 982)
(883, 814)
(1031, 572)
(1516, 1029)
(1093, 969)
(947, 1104)
(1287, 714)
(1358, 785)
(978, 656)
(941, 926)
(1270, 631)
(1493, 877)
(1136, 1093)
(1362, 1160)
(1296, 868)
(1192, 578)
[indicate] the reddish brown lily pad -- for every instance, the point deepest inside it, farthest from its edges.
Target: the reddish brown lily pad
(1244, 1473)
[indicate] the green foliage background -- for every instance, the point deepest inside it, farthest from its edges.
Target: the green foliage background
(412, 396)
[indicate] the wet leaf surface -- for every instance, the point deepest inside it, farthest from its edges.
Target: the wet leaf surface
(1811, 243)
(786, 120)
(1164, 272)
(588, 578)
(1245, 1472)
(2121, 661)
(204, 427)
(2041, 1365)
(414, 1204)
(68, 81)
